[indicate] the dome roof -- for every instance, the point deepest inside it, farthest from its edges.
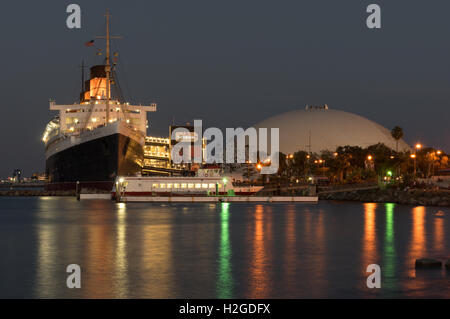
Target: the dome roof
(327, 130)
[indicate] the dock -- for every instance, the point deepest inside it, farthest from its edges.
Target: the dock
(218, 199)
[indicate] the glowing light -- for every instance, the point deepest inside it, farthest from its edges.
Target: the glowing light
(418, 146)
(121, 180)
(369, 157)
(389, 245)
(225, 282)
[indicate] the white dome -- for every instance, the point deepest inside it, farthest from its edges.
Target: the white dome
(329, 129)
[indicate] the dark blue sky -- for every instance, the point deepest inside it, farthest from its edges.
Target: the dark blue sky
(230, 63)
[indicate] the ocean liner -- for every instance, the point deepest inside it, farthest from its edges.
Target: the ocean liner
(97, 138)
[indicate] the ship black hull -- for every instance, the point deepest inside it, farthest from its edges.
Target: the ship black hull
(95, 164)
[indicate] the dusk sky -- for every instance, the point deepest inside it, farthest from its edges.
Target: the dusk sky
(230, 63)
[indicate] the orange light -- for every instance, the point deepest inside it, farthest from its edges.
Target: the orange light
(413, 155)
(369, 157)
(259, 166)
(439, 152)
(418, 146)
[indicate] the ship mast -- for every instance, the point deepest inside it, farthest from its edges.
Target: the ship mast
(108, 37)
(107, 67)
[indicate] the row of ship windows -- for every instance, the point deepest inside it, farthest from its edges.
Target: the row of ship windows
(102, 110)
(186, 185)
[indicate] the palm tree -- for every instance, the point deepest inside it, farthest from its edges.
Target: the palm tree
(397, 134)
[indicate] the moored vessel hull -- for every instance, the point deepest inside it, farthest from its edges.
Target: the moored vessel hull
(95, 163)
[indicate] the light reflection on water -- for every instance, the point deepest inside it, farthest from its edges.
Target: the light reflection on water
(228, 250)
(225, 280)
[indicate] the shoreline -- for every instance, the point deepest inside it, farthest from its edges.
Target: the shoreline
(420, 197)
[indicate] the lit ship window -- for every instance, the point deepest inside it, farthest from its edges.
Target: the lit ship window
(176, 185)
(183, 185)
(155, 185)
(190, 185)
(162, 185)
(169, 185)
(212, 185)
(204, 185)
(198, 185)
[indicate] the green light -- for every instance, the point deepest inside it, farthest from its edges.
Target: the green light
(389, 256)
(225, 280)
(389, 173)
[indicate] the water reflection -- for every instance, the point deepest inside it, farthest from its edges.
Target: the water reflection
(389, 257)
(417, 246)
(198, 251)
(120, 258)
(439, 235)
(46, 260)
(155, 270)
(369, 253)
(225, 280)
(99, 252)
(290, 250)
(258, 272)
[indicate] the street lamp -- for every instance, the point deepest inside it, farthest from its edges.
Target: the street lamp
(417, 147)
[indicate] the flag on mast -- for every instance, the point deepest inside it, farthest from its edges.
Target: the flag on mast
(89, 43)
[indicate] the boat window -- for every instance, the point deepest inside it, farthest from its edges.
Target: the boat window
(190, 185)
(176, 185)
(162, 185)
(169, 185)
(204, 185)
(212, 185)
(198, 185)
(184, 185)
(220, 185)
(155, 185)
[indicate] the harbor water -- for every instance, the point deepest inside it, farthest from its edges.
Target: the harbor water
(219, 250)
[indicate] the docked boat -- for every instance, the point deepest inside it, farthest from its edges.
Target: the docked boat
(206, 182)
(97, 138)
